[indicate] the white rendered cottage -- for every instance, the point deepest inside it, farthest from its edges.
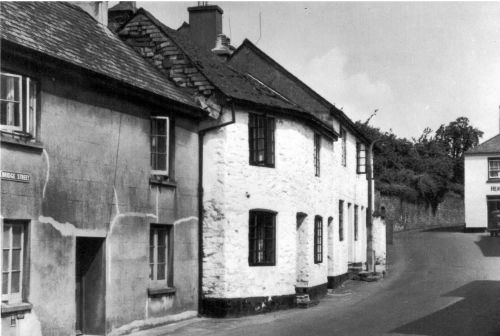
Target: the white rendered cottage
(482, 186)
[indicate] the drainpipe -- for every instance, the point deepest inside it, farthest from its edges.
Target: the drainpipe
(370, 258)
(201, 135)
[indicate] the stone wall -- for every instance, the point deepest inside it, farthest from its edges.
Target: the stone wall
(402, 215)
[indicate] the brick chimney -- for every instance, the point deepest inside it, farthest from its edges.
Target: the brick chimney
(205, 24)
(97, 9)
(120, 13)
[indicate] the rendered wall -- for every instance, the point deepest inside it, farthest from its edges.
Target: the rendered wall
(476, 188)
(92, 179)
(232, 187)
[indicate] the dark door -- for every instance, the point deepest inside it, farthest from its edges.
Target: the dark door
(493, 212)
(90, 285)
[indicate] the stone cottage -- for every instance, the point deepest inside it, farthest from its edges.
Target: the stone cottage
(99, 178)
(283, 208)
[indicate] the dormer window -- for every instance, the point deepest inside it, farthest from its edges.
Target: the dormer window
(18, 104)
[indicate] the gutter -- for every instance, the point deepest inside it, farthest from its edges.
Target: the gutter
(201, 135)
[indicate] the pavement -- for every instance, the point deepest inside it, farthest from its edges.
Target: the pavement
(440, 282)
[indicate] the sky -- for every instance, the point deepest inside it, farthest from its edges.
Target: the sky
(421, 64)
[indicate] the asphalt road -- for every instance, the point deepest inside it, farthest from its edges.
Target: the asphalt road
(440, 283)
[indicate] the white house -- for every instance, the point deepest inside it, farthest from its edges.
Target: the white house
(482, 186)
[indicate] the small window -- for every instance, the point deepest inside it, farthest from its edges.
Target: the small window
(13, 261)
(356, 219)
(261, 140)
(160, 143)
(343, 135)
(160, 263)
(318, 239)
(360, 158)
(262, 238)
(317, 148)
(341, 220)
(18, 105)
(494, 168)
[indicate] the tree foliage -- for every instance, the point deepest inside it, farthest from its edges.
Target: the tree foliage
(422, 169)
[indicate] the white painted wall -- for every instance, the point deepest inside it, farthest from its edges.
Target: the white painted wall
(476, 189)
(232, 187)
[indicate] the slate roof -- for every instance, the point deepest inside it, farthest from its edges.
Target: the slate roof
(489, 146)
(228, 80)
(311, 100)
(66, 32)
(225, 78)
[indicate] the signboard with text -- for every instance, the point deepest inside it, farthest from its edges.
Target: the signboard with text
(14, 176)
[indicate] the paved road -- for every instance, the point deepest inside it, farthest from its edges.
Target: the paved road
(441, 283)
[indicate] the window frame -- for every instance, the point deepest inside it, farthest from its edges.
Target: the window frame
(17, 297)
(28, 106)
(341, 220)
(157, 172)
(317, 154)
(268, 138)
(343, 135)
(268, 244)
(490, 160)
(318, 239)
(360, 159)
(153, 259)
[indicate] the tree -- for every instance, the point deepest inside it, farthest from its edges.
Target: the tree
(458, 137)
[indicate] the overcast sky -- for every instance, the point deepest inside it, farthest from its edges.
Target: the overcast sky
(420, 64)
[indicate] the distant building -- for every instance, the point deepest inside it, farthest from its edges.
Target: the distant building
(482, 186)
(99, 178)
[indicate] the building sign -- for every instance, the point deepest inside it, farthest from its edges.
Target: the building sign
(495, 188)
(12, 176)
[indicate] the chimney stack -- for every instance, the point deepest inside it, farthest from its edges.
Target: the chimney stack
(205, 24)
(120, 13)
(97, 9)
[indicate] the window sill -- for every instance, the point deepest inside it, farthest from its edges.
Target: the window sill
(20, 141)
(161, 291)
(493, 180)
(15, 308)
(165, 183)
(265, 165)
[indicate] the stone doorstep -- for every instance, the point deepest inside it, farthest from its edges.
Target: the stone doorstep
(147, 327)
(368, 276)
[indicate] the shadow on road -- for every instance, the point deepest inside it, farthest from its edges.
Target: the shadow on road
(476, 314)
(446, 229)
(490, 246)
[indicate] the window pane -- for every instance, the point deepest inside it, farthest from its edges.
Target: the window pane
(161, 272)
(6, 236)
(10, 113)
(161, 144)
(161, 253)
(17, 233)
(161, 162)
(15, 282)
(5, 283)
(151, 267)
(5, 265)
(9, 88)
(16, 260)
(161, 126)
(151, 254)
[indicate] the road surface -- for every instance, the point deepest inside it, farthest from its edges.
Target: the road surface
(441, 283)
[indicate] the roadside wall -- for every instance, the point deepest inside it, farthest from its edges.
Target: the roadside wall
(402, 215)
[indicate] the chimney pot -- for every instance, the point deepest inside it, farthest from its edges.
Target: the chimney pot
(97, 9)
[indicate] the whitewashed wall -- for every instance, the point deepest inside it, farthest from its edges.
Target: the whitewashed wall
(351, 188)
(476, 190)
(232, 187)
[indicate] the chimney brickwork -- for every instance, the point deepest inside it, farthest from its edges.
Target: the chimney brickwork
(155, 46)
(205, 24)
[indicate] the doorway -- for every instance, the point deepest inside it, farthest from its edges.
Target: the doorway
(493, 212)
(90, 286)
